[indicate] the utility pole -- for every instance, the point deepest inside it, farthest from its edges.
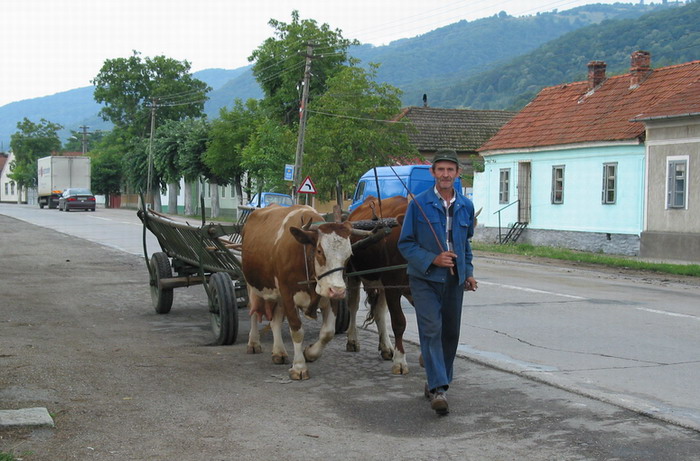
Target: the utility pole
(154, 103)
(84, 140)
(302, 121)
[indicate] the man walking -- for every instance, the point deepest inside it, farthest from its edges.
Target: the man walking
(435, 241)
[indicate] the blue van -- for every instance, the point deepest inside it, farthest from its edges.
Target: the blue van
(417, 178)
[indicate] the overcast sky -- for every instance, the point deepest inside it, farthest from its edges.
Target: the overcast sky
(49, 46)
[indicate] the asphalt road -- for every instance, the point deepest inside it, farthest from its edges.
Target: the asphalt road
(125, 383)
(626, 338)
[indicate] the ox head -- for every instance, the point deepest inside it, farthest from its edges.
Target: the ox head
(331, 250)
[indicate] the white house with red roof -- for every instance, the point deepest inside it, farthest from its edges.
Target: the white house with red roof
(570, 169)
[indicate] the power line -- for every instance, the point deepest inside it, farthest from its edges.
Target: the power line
(330, 114)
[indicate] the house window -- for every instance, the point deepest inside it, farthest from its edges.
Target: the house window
(7, 188)
(558, 184)
(609, 182)
(12, 188)
(504, 186)
(677, 182)
(223, 191)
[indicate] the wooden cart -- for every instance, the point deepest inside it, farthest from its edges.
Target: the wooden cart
(207, 255)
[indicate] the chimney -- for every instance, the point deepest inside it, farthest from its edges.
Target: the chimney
(425, 100)
(640, 67)
(596, 74)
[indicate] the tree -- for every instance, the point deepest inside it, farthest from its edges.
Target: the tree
(74, 143)
(31, 142)
(280, 60)
(107, 167)
(351, 130)
(130, 87)
(230, 133)
(137, 170)
(142, 93)
(270, 148)
(190, 158)
(166, 145)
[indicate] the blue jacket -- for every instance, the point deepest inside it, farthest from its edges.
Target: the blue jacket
(418, 244)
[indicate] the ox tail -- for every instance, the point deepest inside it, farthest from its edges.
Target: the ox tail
(371, 303)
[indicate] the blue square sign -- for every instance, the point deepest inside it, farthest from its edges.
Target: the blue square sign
(289, 172)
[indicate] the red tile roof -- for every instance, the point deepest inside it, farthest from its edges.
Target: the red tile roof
(685, 102)
(568, 114)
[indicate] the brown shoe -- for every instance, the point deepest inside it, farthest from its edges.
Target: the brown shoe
(439, 403)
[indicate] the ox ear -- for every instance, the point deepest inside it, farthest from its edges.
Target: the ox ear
(305, 237)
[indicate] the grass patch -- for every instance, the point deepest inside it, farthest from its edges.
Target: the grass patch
(525, 249)
(6, 456)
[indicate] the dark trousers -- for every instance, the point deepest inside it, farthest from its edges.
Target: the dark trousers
(438, 313)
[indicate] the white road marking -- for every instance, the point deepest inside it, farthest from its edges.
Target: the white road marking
(671, 314)
(531, 290)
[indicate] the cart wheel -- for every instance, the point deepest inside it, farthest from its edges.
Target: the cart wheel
(160, 269)
(342, 317)
(223, 309)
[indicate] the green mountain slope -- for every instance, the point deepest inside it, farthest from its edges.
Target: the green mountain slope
(438, 59)
(672, 36)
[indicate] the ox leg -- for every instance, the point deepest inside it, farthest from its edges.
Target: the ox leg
(254, 304)
(314, 351)
(254, 346)
(279, 353)
(353, 291)
(299, 370)
(379, 311)
(398, 326)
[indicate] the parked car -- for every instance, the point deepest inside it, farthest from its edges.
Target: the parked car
(264, 199)
(76, 199)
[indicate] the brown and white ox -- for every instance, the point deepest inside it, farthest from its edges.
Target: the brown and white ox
(384, 289)
(289, 266)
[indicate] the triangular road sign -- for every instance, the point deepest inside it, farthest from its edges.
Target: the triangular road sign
(307, 187)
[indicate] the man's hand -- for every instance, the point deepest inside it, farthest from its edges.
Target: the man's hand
(470, 284)
(445, 259)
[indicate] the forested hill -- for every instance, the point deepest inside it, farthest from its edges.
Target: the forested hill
(672, 36)
(498, 62)
(433, 62)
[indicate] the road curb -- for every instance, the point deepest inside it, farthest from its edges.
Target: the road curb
(38, 416)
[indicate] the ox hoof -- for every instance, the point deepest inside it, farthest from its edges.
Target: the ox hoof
(253, 349)
(308, 357)
(387, 355)
(280, 359)
(297, 375)
(399, 369)
(352, 347)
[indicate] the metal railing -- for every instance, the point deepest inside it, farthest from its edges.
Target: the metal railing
(500, 238)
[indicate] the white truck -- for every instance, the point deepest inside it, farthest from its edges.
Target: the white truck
(56, 174)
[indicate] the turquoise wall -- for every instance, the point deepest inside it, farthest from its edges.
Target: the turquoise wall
(582, 209)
